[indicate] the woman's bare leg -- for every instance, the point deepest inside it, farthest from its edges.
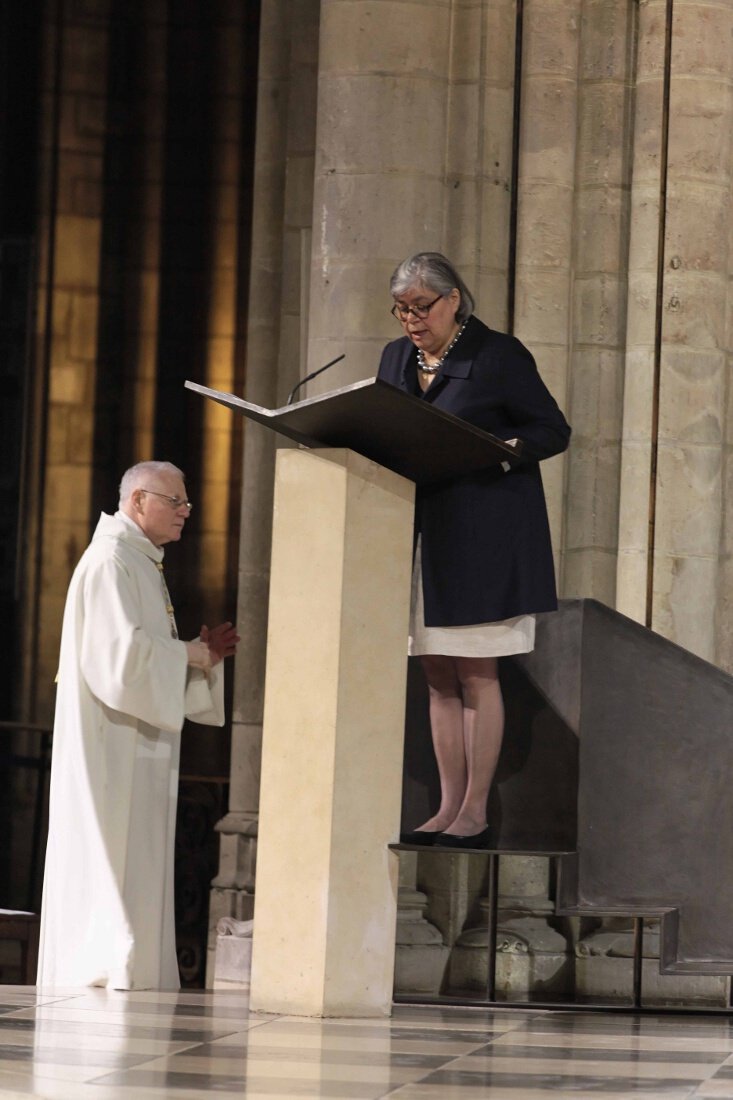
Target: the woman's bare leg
(447, 728)
(483, 729)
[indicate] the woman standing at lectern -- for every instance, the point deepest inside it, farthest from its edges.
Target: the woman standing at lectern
(483, 560)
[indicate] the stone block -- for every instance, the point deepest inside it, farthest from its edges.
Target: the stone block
(542, 308)
(546, 153)
(702, 38)
(299, 190)
(700, 136)
(233, 962)
(603, 134)
(692, 398)
(352, 137)
(606, 30)
(650, 59)
(601, 229)
(685, 589)
(84, 64)
(694, 309)
(593, 477)
(71, 384)
(596, 392)
(589, 572)
(83, 326)
(489, 230)
(365, 218)
(647, 131)
(633, 532)
(631, 583)
(599, 309)
(490, 291)
(551, 39)
(357, 38)
(76, 262)
(697, 219)
(464, 130)
(640, 311)
(546, 220)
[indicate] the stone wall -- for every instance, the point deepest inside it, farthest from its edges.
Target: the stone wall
(616, 272)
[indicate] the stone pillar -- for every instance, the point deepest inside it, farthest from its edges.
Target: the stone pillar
(545, 219)
(532, 954)
(478, 160)
(379, 171)
(232, 893)
(70, 235)
(685, 514)
(639, 383)
(420, 953)
(693, 384)
(325, 906)
(600, 244)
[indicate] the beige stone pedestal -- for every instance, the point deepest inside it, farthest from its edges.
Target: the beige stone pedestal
(326, 885)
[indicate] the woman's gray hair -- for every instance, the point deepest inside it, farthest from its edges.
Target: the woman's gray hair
(134, 477)
(435, 272)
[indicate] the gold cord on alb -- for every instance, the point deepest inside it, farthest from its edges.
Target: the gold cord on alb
(167, 599)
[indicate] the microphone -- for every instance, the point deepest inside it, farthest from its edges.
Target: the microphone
(312, 375)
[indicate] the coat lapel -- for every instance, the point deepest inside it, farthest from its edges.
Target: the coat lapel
(459, 362)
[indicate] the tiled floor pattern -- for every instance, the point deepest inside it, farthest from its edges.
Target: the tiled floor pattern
(95, 1045)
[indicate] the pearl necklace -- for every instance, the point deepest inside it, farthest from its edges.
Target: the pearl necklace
(425, 367)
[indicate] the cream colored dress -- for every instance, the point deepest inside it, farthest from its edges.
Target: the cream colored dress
(499, 639)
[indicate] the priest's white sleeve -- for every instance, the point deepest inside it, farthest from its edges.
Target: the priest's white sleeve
(127, 667)
(205, 696)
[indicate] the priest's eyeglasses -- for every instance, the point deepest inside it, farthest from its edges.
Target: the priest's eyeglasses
(175, 502)
(403, 312)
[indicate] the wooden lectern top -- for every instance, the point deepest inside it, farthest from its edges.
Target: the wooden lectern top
(396, 429)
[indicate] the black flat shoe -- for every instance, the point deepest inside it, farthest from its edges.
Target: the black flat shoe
(420, 836)
(476, 840)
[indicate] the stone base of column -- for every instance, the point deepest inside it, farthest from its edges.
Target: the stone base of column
(232, 891)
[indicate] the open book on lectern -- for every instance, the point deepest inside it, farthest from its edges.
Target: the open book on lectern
(383, 423)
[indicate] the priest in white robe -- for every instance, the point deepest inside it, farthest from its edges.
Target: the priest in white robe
(126, 682)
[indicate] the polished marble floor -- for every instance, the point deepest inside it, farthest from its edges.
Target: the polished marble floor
(95, 1045)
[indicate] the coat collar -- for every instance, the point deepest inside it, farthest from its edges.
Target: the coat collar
(458, 364)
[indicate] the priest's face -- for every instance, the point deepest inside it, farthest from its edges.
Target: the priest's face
(161, 508)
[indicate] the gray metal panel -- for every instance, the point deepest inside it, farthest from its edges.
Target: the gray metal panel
(645, 729)
(654, 803)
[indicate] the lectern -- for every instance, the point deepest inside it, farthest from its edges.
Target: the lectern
(326, 887)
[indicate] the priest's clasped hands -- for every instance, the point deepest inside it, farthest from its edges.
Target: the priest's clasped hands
(212, 646)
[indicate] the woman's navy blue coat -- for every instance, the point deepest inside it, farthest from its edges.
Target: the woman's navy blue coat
(486, 552)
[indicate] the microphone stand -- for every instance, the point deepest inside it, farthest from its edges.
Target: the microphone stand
(313, 375)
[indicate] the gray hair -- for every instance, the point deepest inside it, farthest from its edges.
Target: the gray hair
(435, 272)
(133, 478)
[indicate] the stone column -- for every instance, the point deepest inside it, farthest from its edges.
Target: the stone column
(478, 163)
(70, 235)
(600, 246)
(685, 513)
(636, 448)
(532, 954)
(693, 384)
(545, 222)
(379, 172)
(232, 893)
(276, 343)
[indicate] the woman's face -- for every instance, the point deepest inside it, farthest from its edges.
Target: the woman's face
(434, 332)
